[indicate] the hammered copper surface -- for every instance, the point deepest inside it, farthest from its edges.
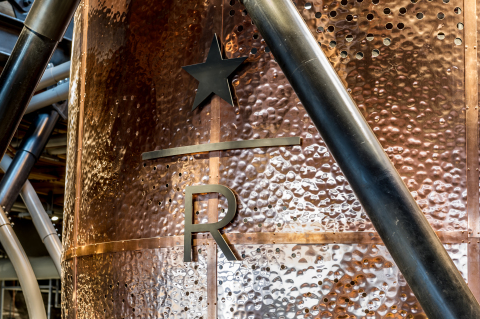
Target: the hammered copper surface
(138, 98)
(67, 300)
(318, 281)
(152, 283)
(411, 94)
(407, 82)
(73, 109)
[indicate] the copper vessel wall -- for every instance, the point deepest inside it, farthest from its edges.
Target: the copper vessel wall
(129, 95)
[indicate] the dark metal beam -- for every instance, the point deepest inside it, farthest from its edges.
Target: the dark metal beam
(44, 28)
(27, 155)
(410, 239)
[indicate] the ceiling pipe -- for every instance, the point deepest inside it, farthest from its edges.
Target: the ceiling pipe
(44, 27)
(417, 251)
(19, 206)
(54, 141)
(43, 267)
(26, 276)
(57, 151)
(49, 97)
(54, 75)
(57, 141)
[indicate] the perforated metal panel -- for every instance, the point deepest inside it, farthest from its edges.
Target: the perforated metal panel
(318, 281)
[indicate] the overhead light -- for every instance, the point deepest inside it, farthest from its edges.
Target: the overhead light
(54, 218)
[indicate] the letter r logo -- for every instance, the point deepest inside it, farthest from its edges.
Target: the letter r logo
(213, 228)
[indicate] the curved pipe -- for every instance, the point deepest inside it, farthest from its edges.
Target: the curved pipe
(401, 224)
(53, 75)
(57, 94)
(26, 276)
(39, 217)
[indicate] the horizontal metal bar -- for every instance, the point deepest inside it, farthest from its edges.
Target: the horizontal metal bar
(20, 288)
(249, 239)
(42, 290)
(203, 148)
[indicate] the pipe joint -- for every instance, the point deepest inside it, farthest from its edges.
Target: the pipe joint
(51, 234)
(51, 18)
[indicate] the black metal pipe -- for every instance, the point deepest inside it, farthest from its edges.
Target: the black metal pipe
(44, 28)
(410, 239)
(27, 155)
(19, 78)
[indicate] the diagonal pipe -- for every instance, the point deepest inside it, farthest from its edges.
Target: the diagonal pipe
(44, 27)
(411, 241)
(39, 217)
(26, 156)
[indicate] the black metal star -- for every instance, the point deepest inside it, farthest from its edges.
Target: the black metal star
(213, 74)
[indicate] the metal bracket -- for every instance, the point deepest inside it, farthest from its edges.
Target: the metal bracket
(62, 109)
(21, 8)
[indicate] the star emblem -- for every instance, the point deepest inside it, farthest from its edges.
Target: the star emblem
(213, 74)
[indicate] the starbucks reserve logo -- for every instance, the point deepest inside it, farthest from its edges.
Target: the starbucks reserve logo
(213, 79)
